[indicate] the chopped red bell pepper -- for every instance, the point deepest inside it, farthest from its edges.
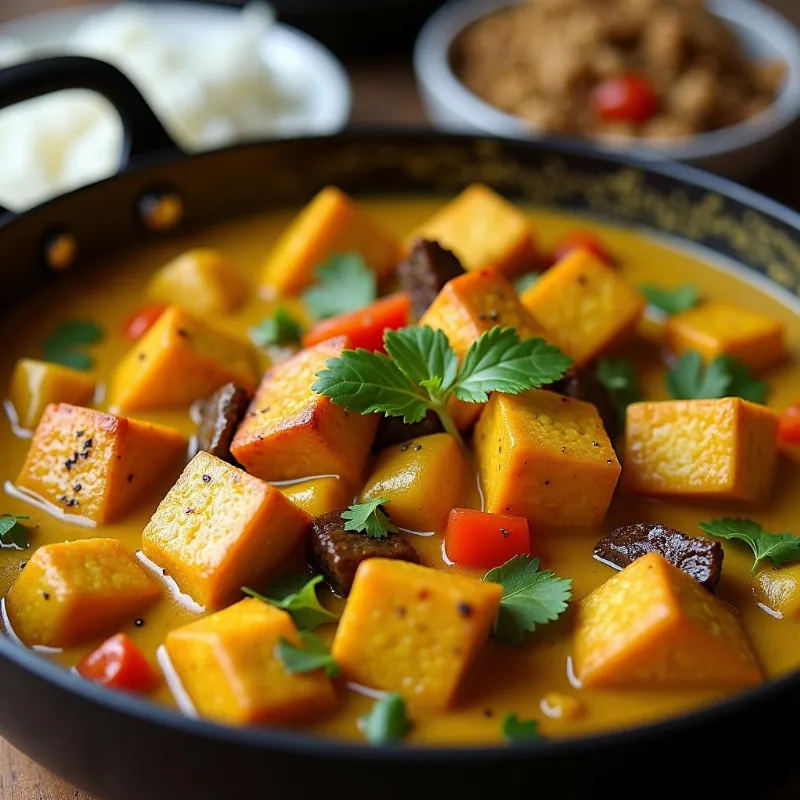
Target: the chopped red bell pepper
(482, 540)
(790, 425)
(119, 664)
(138, 323)
(628, 98)
(582, 240)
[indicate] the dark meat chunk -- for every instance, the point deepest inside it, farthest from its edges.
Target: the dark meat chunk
(699, 557)
(392, 430)
(336, 553)
(426, 270)
(582, 384)
(220, 416)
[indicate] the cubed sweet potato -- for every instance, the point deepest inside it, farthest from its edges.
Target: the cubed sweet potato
(414, 630)
(585, 306)
(779, 591)
(546, 457)
(332, 223)
(228, 667)
(219, 529)
(98, 465)
(180, 360)
(725, 449)
(652, 625)
(320, 496)
(74, 591)
(292, 432)
(484, 230)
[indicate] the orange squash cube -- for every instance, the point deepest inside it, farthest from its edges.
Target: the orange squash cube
(219, 529)
(227, 664)
(654, 626)
(320, 496)
(414, 629)
(545, 457)
(98, 465)
(715, 329)
(332, 223)
(723, 449)
(292, 432)
(779, 591)
(585, 306)
(484, 230)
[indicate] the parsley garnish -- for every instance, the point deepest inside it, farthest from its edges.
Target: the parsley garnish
(387, 722)
(312, 656)
(672, 301)
(280, 329)
(12, 534)
(779, 548)
(66, 345)
(691, 379)
(296, 594)
(619, 379)
(530, 597)
(526, 281)
(516, 730)
(369, 518)
(344, 283)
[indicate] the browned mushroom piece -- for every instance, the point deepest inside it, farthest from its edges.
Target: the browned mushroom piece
(426, 270)
(220, 416)
(582, 384)
(392, 430)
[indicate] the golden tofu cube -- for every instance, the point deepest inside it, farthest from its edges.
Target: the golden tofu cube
(724, 449)
(180, 360)
(227, 664)
(98, 465)
(585, 306)
(715, 329)
(332, 223)
(219, 529)
(414, 630)
(484, 230)
(202, 280)
(292, 432)
(73, 591)
(36, 384)
(320, 496)
(779, 591)
(545, 457)
(652, 626)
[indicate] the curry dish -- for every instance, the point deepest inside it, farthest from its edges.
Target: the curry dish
(405, 469)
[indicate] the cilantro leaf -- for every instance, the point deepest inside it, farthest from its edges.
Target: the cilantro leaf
(422, 355)
(66, 344)
(297, 595)
(344, 283)
(530, 597)
(369, 518)
(387, 722)
(724, 376)
(526, 281)
(279, 329)
(516, 730)
(672, 301)
(779, 548)
(744, 384)
(312, 656)
(12, 533)
(620, 380)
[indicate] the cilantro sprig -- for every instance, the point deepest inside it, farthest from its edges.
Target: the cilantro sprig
(724, 376)
(68, 342)
(369, 518)
(778, 548)
(620, 380)
(280, 329)
(12, 533)
(514, 729)
(344, 283)
(672, 301)
(313, 656)
(387, 722)
(297, 594)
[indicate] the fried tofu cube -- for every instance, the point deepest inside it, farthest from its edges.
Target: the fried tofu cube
(98, 465)
(654, 626)
(715, 329)
(36, 384)
(484, 230)
(292, 432)
(219, 529)
(73, 591)
(779, 591)
(545, 457)
(320, 496)
(332, 223)
(414, 629)
(227, 664)
(723, 449)
(202, 280)
(178, 361)
(585, 306)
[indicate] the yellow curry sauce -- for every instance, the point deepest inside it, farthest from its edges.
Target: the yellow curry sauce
(506, 679)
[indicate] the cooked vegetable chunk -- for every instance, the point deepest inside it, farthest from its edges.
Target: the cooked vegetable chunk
(219, 529)
(74, 591)
(331, 223)
(425, 271)
(119, 664)
(725, 449)
(220, 416)
(337, 553)
(584, 306)
(414, 630)
(98, 465)
(423, 478)
(546, 457)
(714, 329)
(36, 384)
(484, 231)
(180, 360)
(203, 280)
(228, 667)
(392, 430)
(779, 591)
(654, 625)
(291, 431)
(320, 496)
(480, 540)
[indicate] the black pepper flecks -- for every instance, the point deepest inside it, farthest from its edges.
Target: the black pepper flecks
(465, 609)
(404, 447)
(595, 444)
(141, 356)
(130, 477)
(46, 595)
(206, 479)
(547, 483)
(488, 713)
(79, 434)
(417, 448)
(505, 533)
(190, 511)
(182, 332)
(23, 564)
(87, 445)
(494, 315)
(77, 487)
(139, 623)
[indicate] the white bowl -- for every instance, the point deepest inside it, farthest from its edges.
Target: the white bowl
(739, 151)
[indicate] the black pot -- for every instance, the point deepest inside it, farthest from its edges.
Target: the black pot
(119, 747)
